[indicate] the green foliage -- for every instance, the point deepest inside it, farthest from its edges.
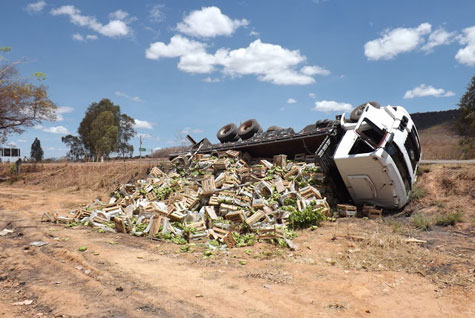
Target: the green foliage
(163, 192)
(421, 221)
(40, 76)
(467, 106)
(290, 202)
(179, 240)
(76, 148)
(244, 239)
(449, 219)
(104, 130)
(214, 243)
(36, 150)
(140, 227)
(290, 234)
(306, 218)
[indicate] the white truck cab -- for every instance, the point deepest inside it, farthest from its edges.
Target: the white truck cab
(378, 156)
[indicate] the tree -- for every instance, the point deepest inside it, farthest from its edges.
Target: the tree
(467, 121)
(126, 132)
(104, 134)
(36, 150)
(104, 130)
(76, 149)
(467, 106)
(22, 104)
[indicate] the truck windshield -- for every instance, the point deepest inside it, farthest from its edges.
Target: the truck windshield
(371, 133)
(370, 138)
(413, 148)
(396, 154)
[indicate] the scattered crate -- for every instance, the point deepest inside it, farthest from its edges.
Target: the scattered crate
(346, 210)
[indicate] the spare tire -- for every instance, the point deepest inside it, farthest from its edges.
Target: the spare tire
(228, 133)
(249, 128)
(274, 128)
(357, 111)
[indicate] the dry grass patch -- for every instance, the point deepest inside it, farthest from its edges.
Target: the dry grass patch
(383, 251)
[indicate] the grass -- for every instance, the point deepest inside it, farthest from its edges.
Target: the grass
(449, 218)
(396, 227)
(421, 221)
(417, 193)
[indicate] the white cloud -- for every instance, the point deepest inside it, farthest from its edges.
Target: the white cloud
(437, 38)
(331, 106)
(80, 38)
(254, 33)
(466, 55)
(118, 15)
(61, 130)
(211, 80)
(178, 46)
(35, 7)
(63, 110)
(312, 95)
(291, 101)
(424, 90)
(314, 70)
(189, 130)
(142, 124)
(21, 140)
(156, 13)
(132, 98)
(396, 41)
(11, 144)
(269, 62)
(209, 22)
(115, 28)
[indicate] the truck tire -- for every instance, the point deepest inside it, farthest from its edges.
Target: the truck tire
(357, 111)
(274, 128)
(249, 128)
(227, 133)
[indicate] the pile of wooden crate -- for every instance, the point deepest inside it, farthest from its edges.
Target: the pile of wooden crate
(205, 197)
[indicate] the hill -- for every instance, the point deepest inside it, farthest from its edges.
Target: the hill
(430, 119)
(440, 138)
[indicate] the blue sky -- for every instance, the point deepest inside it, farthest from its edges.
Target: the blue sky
(182, 67)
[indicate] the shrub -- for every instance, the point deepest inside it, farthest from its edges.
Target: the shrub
(449, 219)
(421, 221)
(307, 217)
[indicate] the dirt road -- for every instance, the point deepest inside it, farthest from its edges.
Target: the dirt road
(124, 276)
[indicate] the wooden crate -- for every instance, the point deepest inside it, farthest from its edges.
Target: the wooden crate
(346, 210)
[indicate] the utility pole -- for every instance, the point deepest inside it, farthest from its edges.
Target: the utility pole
(140, 147)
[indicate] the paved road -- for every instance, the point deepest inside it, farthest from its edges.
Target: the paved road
(449, 161)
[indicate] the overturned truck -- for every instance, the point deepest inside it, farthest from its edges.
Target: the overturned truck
(369, 158)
